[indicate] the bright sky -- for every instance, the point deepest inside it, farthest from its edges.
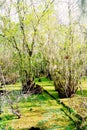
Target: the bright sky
(61, 7)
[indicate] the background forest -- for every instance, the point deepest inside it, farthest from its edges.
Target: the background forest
(43, 64)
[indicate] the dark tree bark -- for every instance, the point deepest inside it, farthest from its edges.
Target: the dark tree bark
(66, 91)
(29, 87)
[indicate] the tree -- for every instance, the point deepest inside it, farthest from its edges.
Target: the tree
(67, 58)
(21, 35)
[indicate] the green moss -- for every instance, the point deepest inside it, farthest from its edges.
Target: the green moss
(41, 110)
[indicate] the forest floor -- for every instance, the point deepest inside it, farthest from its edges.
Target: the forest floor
(41, 110)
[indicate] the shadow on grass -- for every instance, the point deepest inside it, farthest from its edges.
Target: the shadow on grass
(54, 93)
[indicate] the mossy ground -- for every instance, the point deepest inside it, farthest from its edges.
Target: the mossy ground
(41, 110)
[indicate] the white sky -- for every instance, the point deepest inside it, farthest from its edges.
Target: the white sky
(61, 7)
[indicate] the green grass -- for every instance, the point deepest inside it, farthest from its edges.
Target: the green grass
(11, 87)
(40, 110)
(83, 93)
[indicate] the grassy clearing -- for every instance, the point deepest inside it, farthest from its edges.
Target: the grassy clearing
(41, 110)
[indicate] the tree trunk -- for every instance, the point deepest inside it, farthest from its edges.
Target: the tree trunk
(29, 87)
(65, 91)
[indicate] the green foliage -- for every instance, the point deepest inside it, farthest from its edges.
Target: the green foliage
(21, 36)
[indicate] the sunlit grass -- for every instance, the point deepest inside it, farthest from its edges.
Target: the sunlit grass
(11, 87)
(41, 110)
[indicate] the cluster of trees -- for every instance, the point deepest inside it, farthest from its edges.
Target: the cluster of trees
(37, 43)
